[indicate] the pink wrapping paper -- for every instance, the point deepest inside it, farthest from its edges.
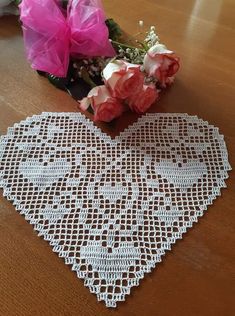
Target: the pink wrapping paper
(51, 35)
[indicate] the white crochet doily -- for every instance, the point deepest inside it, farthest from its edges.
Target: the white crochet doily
(112, 207)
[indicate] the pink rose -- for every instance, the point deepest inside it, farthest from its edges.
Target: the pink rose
(106, 108)
(123, 78)
(141, 101)
(161, 63)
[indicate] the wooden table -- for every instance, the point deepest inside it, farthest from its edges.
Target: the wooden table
(195, 278)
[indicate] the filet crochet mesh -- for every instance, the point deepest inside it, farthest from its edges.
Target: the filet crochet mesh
(112, 207)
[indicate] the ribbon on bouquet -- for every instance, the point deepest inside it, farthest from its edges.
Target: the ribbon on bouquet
(52, 35)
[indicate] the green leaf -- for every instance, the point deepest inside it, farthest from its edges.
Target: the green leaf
(17, 2)
(114, 29)
(60, 83)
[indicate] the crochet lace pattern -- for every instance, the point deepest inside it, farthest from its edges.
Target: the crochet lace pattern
(112, 207)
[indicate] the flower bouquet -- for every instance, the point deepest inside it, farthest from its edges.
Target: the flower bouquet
(85, 54)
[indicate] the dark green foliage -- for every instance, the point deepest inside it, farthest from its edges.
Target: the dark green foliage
(114, 29)
(58, 82)
(62, 83)
(74, 85)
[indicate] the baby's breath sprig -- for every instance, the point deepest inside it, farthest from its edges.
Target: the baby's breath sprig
(152, 38)
(136, 54)
(126, 46)
(133, 55)
(94, 66)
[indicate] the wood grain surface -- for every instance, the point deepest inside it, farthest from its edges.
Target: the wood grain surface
(197, 276)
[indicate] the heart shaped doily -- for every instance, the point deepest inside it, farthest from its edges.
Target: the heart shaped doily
(112, 207)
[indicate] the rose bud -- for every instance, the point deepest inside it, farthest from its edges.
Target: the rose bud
(161, 63)
(105, 107)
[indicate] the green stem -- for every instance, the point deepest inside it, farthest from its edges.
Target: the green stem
(127, 46)
(145, 47)
(85, 76)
